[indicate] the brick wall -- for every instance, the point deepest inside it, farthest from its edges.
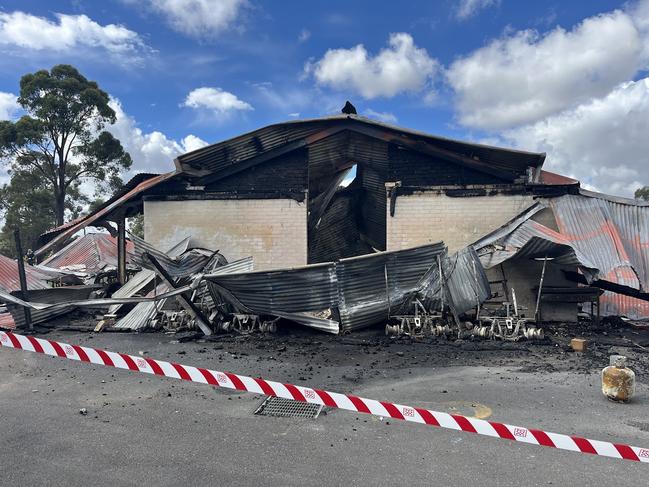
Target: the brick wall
(273, 231)
(422, 218)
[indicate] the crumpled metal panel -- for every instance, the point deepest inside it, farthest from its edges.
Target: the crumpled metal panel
(10, 281)
(607, 238)
(91, 253)
(464, 287)
(54, 295)
(372, 285)
(177, 266)
(466, 280)
(614, 234)
(364, 288)
(524, 237)
(139, 317)
(309, 288)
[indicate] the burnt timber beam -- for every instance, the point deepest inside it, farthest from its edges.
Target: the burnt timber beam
(24, 293)
(121, 250)
(185, 302)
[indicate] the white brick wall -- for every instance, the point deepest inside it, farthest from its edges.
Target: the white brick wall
(430, 217)
(273, 231)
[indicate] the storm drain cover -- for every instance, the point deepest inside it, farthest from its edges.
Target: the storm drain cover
(288, 408)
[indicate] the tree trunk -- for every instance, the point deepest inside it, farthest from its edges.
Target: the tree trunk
(60, 208)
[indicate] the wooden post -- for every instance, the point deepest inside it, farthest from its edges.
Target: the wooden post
(23, 279)
(121, 250)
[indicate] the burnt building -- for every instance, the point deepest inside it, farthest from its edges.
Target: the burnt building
(311, 191)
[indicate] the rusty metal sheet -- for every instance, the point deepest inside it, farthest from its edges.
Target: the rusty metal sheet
(36, 278)
(92, 253)
(606, 237)
(66, 231)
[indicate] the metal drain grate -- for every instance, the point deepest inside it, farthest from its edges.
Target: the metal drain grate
(288, 408)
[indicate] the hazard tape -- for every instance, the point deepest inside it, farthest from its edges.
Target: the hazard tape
(325, 398)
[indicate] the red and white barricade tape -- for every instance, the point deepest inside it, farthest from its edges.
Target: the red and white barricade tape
(330, 399)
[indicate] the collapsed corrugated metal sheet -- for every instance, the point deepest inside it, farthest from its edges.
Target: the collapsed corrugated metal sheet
(177, 266)
(371, 285)
(524, 237)
(54, 295)
(36, 278)
(139, 317)
(309, 288)
(7, 321)
(614, 234)
(133, 286)
(363, 288)
(465, 284)
(606, 238)
(139, 184)
(91, 253)
(466, 280)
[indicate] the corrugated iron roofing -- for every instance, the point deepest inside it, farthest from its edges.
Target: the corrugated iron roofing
(90, 253)
(62, 294)
(363, 288)
(370, 286)
(178, 266)
(10, 281)
(62, 233)
(607, 237)
(614, 235)
(218, 156)
(6, 321)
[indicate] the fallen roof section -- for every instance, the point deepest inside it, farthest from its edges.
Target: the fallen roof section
(92, 253)
(36, 278)
(139, 183)
(363, 289)
(607, 238)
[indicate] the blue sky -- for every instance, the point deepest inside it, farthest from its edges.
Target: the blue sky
(567, 78)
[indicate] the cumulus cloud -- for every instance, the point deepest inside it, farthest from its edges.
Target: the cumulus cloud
(199, 18)
(468, 8)
(401, 67)
(602, 142)
(8, 105)
(386, 117)
(525, 76)
(68, 34)
(215, 99)
(152, 151)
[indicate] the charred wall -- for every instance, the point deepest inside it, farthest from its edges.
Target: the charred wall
(416, 169)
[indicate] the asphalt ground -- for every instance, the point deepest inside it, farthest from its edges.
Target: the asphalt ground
(142, 430)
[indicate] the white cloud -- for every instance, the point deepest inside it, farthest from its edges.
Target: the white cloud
(69, 33)
(525, 76)
(401, 67)
(468, 8)
(152, 151)
(199, 18)
(215, 99)
(602, 142)
(382, 116)
(8, 105)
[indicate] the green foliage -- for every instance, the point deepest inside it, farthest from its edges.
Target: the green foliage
(136, 225)
(642, 193)
(25, 203)
(61, 139)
